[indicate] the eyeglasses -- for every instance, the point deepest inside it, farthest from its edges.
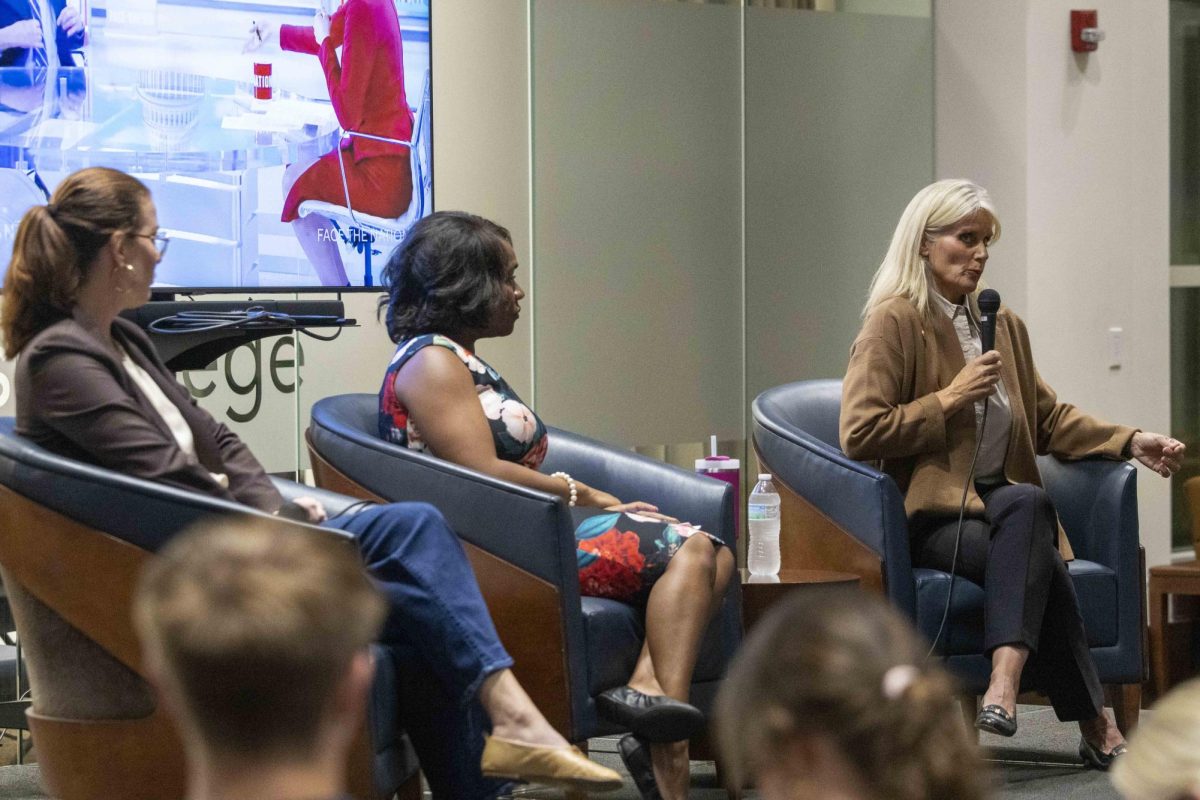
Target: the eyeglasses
(160, 239)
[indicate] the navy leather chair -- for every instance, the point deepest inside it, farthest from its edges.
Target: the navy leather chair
(73, 538)
(567, 649)
(847, 515)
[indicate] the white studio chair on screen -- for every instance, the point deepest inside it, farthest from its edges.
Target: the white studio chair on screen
(364, 229)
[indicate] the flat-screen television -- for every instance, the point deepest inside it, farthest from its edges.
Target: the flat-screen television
(287, 143)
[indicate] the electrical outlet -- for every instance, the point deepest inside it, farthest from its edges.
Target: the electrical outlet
(1116, 347)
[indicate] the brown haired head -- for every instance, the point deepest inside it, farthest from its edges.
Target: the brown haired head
(843, 668)
(250, 626)
(57, 244)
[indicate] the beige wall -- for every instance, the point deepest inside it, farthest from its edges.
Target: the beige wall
(481, 142)
(1075, 148)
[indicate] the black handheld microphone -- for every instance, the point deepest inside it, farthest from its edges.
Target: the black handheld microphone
(989, 306)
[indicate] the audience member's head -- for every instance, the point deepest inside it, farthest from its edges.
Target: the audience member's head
(257, 636)
(831, 697)
(58, 245)
(450, 273)
(1163, 762)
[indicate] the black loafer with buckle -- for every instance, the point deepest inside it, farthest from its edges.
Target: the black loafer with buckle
(635, 755)
(655, 718)
(994, 719)
(1095, 757)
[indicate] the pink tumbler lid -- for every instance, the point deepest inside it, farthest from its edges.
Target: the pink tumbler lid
(716, 463)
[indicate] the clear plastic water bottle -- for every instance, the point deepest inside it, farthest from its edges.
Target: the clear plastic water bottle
(762, 554)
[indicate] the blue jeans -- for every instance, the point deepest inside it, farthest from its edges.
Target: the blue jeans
(442, 634)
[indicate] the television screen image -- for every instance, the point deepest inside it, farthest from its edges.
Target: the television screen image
(287, 144)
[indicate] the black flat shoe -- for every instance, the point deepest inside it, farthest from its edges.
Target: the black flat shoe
(655, 718)
(994, 719)
(1096, 758)
(635, 755)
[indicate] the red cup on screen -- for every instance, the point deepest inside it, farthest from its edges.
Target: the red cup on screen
(262, 81)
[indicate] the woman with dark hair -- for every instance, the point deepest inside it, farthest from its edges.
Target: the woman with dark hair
(450, 284)
(91, 387)
(832, 698)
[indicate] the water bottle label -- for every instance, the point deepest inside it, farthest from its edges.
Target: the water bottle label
(763, 511)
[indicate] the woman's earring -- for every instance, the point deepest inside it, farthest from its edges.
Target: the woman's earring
(117, 284)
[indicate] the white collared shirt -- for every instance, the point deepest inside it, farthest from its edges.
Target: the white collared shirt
(999, 423)
(168, 411)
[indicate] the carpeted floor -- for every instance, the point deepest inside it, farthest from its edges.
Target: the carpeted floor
(1041, 761)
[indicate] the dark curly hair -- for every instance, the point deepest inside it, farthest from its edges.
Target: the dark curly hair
(448, 275)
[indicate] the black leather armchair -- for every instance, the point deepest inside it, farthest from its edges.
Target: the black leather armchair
(848, 515)
(567, 649)
(73, 538)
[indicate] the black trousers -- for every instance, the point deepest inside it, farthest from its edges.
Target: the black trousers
(1029, 598)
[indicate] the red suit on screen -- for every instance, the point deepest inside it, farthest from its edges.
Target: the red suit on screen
(367, 91)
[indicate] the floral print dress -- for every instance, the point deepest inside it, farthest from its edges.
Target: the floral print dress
(620, 554)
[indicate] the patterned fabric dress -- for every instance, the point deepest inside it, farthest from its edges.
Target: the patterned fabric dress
(620, 554)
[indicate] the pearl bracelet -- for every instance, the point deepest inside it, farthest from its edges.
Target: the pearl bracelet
(570, 486)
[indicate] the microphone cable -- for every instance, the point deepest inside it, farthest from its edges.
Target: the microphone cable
(962, 508)
(190, 322)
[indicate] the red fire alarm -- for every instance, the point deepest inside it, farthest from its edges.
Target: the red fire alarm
(1085, 33)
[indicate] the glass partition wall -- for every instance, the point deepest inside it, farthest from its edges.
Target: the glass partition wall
(713, 186)
(710, 187)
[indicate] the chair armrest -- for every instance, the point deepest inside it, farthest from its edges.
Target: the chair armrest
(858, 499)
(697, 499)
(529, 529)
(342, 164)
(378, 138)
(1096, 501)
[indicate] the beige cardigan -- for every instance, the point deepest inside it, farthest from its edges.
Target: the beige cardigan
(890, 414)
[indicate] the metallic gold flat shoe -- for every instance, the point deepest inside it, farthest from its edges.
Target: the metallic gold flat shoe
(561, 767)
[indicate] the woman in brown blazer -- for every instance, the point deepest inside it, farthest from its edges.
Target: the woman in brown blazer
(914, 399)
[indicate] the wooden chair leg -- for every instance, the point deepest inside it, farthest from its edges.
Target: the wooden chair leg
(1158, 638)
(1127, 705)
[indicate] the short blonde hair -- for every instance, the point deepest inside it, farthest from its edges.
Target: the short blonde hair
(1163, 762)
(845, 666)
(932, 210)
(252, 624)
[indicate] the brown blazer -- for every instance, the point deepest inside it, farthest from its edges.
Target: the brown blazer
(889, 412)
(74, 398)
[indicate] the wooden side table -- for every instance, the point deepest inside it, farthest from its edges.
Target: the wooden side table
(760, 593)
(1181, 579)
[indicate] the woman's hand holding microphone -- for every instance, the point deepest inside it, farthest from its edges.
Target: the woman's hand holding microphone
(973, 382)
